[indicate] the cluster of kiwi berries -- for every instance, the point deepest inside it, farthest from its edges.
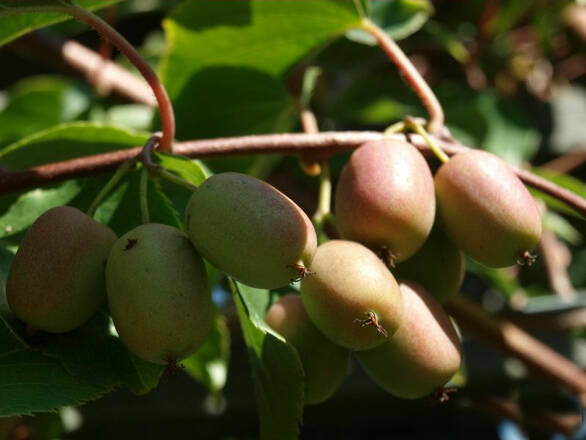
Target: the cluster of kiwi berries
(350, 300)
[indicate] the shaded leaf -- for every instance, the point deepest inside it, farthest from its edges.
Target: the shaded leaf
(14, 25)
(276, 369)
(226, 60)
(31, 382)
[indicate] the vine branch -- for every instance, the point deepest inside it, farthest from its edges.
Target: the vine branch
(319, 145)
(413, 77)
(109, 33)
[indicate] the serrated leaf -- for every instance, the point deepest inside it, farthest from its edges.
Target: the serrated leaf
(226, 60)
(68, 141)
(276, 369)
(31, 382)
(93, 355)
(14, 25)
(37, 103)
(209, 364)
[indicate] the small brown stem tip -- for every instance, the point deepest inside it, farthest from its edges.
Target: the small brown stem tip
(526, 258)
(300, 270)
(372, 320)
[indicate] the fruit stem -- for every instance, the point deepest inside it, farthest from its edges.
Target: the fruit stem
(108, 187)
(433, 145)
(397, 127)
(143, 195)
(325, 195)
(413, 77)
(122, 44)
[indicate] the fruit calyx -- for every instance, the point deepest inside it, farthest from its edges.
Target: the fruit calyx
(526, 258)
(372, 320)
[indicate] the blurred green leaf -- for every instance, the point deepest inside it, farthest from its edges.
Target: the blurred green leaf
(561, 227)
(37, 103)
(133, 116)
(14, 25)
(226, 61)
(398, 18)
(68, 141)
(276, 369)
(565, 181)
(30, 205)
(496, 124)
(209, 364)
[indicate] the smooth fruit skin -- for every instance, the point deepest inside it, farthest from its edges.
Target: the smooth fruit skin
(56, 281)
(385, 198)
(324, 363)
(158, 294)
(439, 266)
(486, 209)
(422, 355)
(347, 281)
(250, 230)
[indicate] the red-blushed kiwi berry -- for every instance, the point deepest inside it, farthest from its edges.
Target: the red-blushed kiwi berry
(439, 266)
(422, 355)
(351, 296)
(250, 230)
(385, 198)
(324, 363)
(486, 209)
(158, 294)
(56, 281)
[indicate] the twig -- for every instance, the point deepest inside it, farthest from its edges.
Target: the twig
(413, 77)
(87, 62)
(568, 162)
(320, 145)
(509, 338)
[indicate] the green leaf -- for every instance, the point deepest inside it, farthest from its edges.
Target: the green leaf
(565, 181)
(135, 116)
(561, 227)
(276, 369)
(68, 141)
(37, 103)
(14, 25)
(10, 333)
(194, 171)
(398, 18)
(226, 60)
(31, 382)
(121, 210)
(495, 124)
(209, 364)
(92, 354)
(30, 205)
